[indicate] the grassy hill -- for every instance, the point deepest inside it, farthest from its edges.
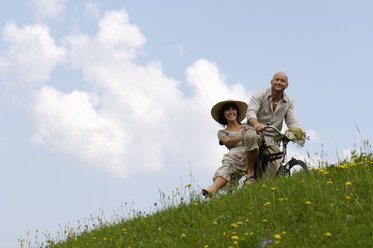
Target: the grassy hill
(325, 207)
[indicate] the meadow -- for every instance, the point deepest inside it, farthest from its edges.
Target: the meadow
(328, 206)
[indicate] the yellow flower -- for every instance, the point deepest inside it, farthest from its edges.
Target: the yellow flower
(273, 188)
(307, 202)
(348, 183)
(214, 223)
(329, 182)
(124, 229)
(206, 246)
(348, 197)
(233, 225)
(284, 232)
(325, 173)
(251, 233)
(235, 242)
(267, 203)
(246, 220)
(277, 236)
(93, 238)
(263, 185)
(277, 242)
(235, 237)
(328, 234)
(264, 220)
(195, 204)
(239, 223)
(353, 164)
(246, 234)
(183, 235)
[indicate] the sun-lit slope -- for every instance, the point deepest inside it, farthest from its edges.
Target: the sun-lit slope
(325, 207)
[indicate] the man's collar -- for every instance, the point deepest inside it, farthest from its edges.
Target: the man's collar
(284, 97)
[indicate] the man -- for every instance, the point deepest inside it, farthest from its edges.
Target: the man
(269, 105)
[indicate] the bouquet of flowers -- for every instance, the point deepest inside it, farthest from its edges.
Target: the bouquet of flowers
(295, 135)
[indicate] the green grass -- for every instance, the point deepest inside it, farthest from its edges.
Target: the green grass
(325, 207)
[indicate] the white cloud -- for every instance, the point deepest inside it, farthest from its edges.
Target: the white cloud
(135, 118)
(70, 124)
(48, 8)
(31, 57)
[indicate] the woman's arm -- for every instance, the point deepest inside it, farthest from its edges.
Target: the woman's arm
(231, 141)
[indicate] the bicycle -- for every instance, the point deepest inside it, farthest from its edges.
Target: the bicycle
(286, 168)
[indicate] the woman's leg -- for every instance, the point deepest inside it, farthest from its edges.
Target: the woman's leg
(219, 183)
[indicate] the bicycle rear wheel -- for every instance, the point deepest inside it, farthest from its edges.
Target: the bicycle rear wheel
(296, 166)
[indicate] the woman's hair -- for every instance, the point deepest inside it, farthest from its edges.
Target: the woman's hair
(222, 119)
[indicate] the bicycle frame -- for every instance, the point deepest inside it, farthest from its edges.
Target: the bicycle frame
(263, 159)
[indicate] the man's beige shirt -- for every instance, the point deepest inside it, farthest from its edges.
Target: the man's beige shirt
(260, 108)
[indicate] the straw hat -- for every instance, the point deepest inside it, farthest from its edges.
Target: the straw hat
(242, 108)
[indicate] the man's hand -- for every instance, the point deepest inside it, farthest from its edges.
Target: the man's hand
(259, 127)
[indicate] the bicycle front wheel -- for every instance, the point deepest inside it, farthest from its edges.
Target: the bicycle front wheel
(296, 166)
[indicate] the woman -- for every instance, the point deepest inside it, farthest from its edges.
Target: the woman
(229, 114)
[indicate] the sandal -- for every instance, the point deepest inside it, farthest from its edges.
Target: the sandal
(250, 180)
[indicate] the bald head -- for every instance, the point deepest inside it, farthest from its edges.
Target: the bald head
(282, 74)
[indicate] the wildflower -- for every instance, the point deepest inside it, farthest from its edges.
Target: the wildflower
(251, 233)
(206, 246)
(246, 234)
(274, 188)
(183, 235)
(353, 164)
(264, 220)
(235, 237)
(93, 238)
(348, 183)
(214, 223)
(307, 202)
(239, 223)
(328, 234)
(267, 203)
(246, 220)
(277, 242)
(348, 197)
(263, 185)
(325, 173)
(233, 225)
(329, 182)
(124, 229)
(195, 204)
(188, 185)
(235, 242)
(277, 236)
(284, 232)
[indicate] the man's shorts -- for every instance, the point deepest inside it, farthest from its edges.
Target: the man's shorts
(252, 141)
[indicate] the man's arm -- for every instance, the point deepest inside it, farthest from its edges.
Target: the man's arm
(290, 119)
(252, 110)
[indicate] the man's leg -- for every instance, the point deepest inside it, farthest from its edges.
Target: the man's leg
(250, 159)
(272, 167)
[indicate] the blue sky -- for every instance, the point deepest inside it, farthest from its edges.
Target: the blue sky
(107, 102)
